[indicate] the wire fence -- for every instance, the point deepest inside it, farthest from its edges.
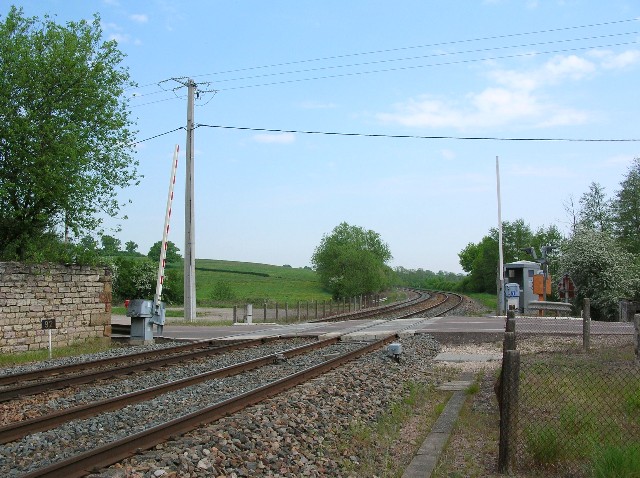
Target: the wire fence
(288, 312)
(572, 409)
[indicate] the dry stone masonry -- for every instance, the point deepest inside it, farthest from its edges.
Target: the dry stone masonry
(77, 297)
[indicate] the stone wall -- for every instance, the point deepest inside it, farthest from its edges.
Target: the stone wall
(78, 297)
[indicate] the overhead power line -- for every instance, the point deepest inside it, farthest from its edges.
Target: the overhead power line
(431, 65)
(413, 47)
(411, 136)
(428, 45)
(158, 135)
(433, 55)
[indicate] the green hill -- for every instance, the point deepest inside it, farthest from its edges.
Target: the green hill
(229, 282)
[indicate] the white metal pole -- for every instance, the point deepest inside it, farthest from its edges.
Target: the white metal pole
(50, 346)
(500, 255)
(189, 223)
(165, 230)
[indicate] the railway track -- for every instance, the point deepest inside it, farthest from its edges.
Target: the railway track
(79, 464)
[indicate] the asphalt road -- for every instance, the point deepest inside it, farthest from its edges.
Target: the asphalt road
(453, 328)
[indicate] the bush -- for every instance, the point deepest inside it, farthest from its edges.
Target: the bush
(222, 290)
(136, 278)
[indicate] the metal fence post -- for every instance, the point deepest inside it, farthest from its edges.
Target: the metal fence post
(636, 323)
(586, 325)
(509, 410)
(511, 321)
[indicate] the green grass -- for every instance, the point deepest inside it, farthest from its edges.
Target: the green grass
(572, 407)
(373, 443)
(617, 462)
(79, 348)
(251, 282)
(490, 301)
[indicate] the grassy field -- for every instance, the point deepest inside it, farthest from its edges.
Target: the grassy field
(225, 283)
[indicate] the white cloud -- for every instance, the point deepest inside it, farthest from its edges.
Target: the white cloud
(139, 17)
(278, 138)
(489, 108)
(120, 37)
(554, 71)
(515, 98)
(447, 154)
(610, 60)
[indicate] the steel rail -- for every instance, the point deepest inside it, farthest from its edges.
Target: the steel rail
(56, 370)
(92, 376)
(17, 430)
(84, 463)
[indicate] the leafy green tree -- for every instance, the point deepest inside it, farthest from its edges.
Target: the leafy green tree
(481, 260)
(173, 253)
(135, 278)
(110, 245)
(352, 261)
(627, 209)
(131, 247)
(596, 210)
(66, 141)
(601, 270)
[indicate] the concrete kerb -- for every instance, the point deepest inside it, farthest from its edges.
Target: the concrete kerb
(425, 460)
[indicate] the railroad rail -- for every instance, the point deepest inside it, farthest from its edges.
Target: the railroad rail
(118, 450)
(120, 366)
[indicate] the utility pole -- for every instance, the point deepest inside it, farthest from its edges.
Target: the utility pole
(189, 214)
(501, 298)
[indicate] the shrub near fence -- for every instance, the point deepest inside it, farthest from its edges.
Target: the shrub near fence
(577, 409)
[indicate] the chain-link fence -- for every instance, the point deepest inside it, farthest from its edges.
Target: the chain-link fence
(572, 407)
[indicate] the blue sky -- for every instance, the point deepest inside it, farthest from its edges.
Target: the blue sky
(473, 68)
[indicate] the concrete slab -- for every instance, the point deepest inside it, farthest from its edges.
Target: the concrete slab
(455, 385)
(425, 460)
(458, 357)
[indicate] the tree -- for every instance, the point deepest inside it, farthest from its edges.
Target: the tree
(66, 141)
(601, 271)
(595, 209)
(627, 209)
(131, 247)
(481, 260)
(352, 261)
(173, 253)
(110, 245)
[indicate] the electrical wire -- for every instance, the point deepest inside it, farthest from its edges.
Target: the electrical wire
(429, 45)
(432, 55)
(389, 50)
(431, 65)
(158, 135)
(411, 136)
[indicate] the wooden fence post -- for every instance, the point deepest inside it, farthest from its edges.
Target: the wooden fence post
(509, 410)
(286, 311)
(298, 317)
(276, 312)
(586, 325)
(264, 317)
(235, 314)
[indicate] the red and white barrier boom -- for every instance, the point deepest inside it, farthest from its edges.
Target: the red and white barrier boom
(165, 230)
(145, 313)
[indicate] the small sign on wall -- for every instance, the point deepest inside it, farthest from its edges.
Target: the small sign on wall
(48, 324)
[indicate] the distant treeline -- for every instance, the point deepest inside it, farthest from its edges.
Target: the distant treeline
(429, 280)
(259, 274)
